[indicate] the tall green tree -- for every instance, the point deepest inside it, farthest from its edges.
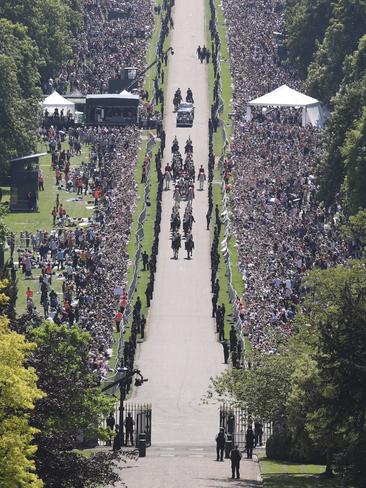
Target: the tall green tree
(262, 390)
(346, 27)
(19, 92)
(348, 105)
(355, 229)
(18, 394)
(354, 154)
(336, 313)
(74, 405)
(51, 24)
(306, 23)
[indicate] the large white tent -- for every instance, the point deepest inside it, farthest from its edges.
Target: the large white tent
(55, 100)
(285, 96)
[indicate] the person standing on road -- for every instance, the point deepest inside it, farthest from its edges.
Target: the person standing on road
(235, 457)
(220, 444)
(249, 442)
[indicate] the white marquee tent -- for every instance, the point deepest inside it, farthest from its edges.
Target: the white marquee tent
(55, 100)
(284, 96)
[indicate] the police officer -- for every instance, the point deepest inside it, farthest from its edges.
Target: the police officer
(235, 457)
(249, 442)
(110, 423)
(129, 423)
(220, 444)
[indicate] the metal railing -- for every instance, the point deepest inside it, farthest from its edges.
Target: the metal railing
(225, 201)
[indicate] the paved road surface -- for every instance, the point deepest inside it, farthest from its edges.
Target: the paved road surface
(181, 352)
(187, 468)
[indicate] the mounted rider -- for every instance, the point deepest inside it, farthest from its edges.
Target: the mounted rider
(189, 245)
(177, 99)
(188, 149)
(175, 145)
(189, 96)
(176, 244)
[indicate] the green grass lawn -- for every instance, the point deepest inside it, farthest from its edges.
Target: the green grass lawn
(19, 221)
(281, 474)
(148, 227)
(218, 145)
(42, 219)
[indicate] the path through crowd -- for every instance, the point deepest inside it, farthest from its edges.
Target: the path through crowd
(181, 351)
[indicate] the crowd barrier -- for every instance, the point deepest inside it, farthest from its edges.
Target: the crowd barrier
(138, 246)
(164, 31)
(216, 111)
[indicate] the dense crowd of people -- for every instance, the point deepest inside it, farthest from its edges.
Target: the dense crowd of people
(114, 35)
(89, 256)
(281, 229)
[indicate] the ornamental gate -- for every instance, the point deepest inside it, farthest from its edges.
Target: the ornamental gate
(142, 417)
(141, 414)
(234, 420)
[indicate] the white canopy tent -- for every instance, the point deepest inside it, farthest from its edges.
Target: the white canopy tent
(55, 100)
(284, 96)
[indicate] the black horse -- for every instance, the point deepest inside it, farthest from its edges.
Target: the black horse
(189, 246)
(176, 245)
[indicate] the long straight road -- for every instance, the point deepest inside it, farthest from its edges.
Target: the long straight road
(181, 352)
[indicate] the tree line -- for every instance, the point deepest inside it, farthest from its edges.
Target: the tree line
(326, 42)
(36, 39)
(313, 391)
(50, 398)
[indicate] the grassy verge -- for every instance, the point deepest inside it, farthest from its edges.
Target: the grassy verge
(148, 240)
(281, 474)
(19, 221)
(143, 276)
(218, 145)
(151, 54)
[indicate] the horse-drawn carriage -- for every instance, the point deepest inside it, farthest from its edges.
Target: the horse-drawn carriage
(185, 115)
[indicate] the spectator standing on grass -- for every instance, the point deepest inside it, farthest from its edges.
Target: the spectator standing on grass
(40, 181)
(54, 216)
(29, 294)
(118, 319)
(11, 242)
